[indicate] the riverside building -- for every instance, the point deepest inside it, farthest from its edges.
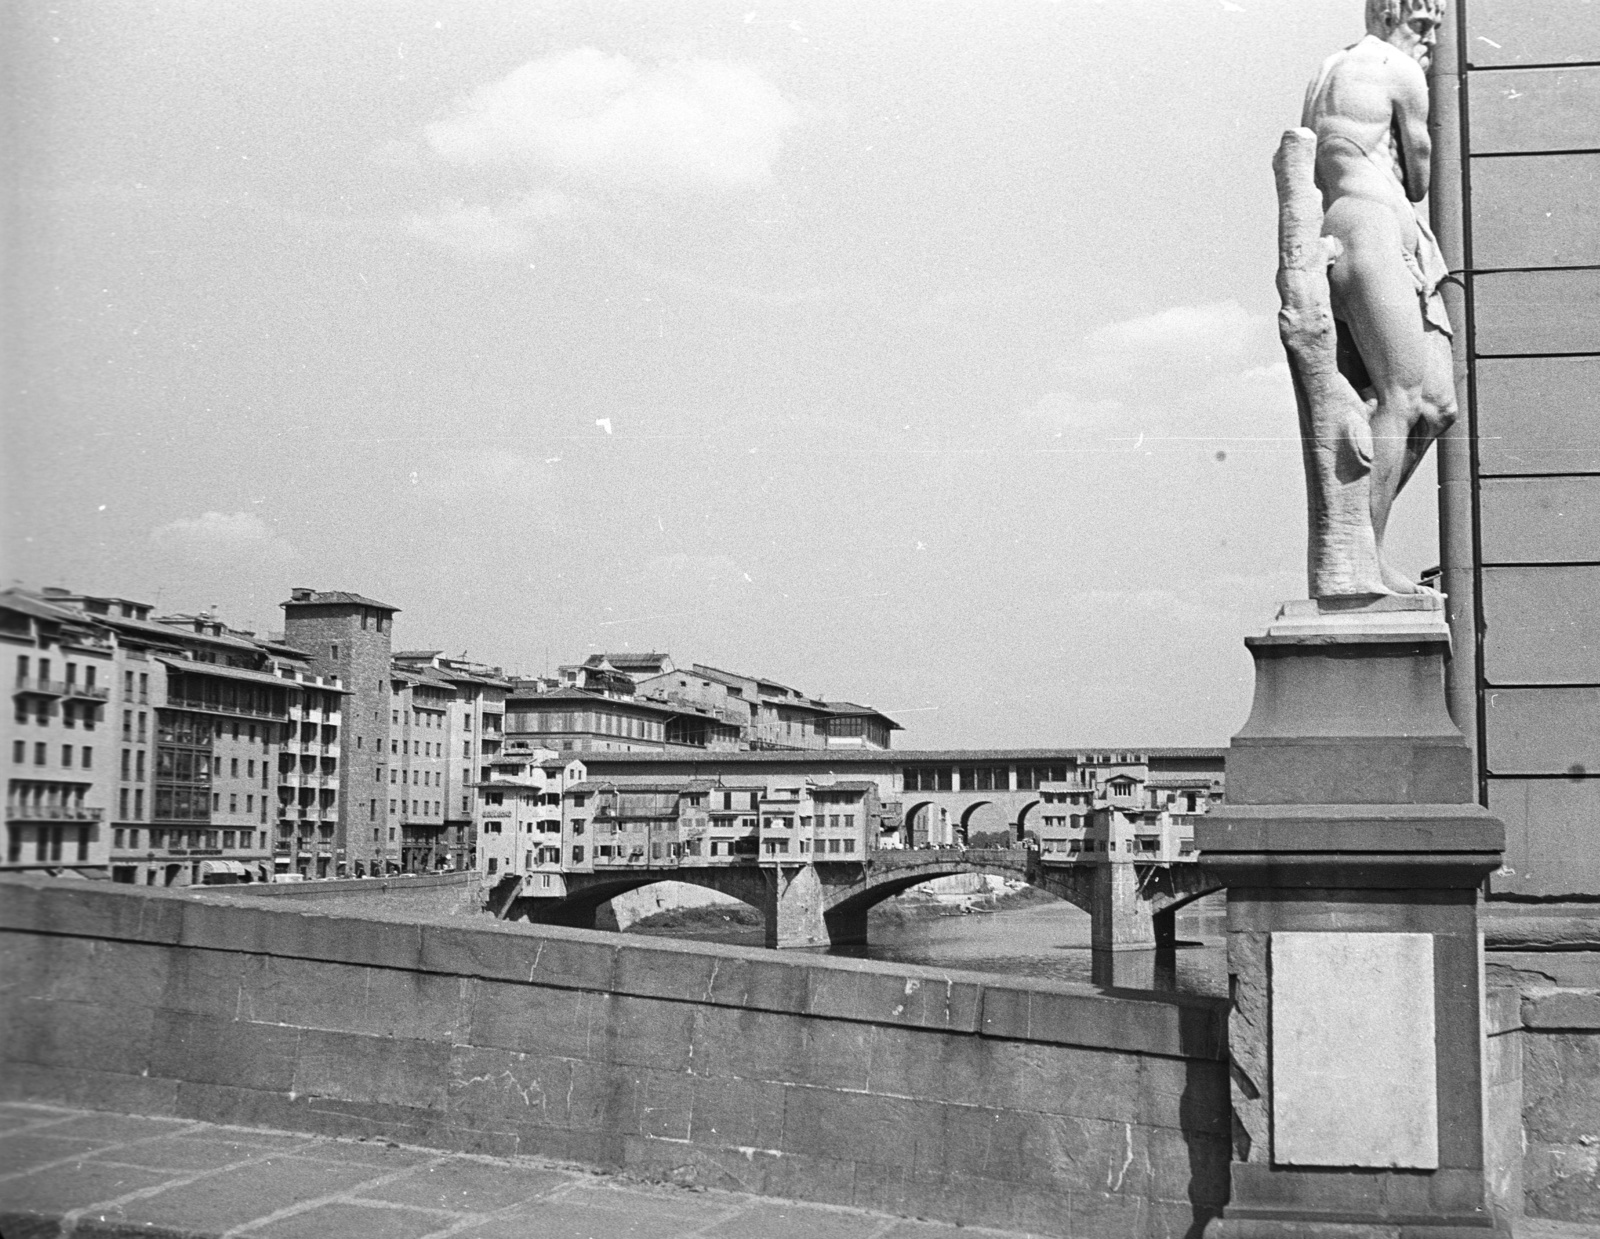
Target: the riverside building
(59, 777)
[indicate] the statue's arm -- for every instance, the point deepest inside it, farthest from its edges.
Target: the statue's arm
(1411, 127)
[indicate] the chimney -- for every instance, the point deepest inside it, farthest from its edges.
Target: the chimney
(300, 593)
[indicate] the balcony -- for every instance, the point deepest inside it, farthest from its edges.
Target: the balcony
(53, 813)
(40, 688)
(87, 692)
(217, 707)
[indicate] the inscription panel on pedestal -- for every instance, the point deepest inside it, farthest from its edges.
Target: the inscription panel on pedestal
(1354, 1078)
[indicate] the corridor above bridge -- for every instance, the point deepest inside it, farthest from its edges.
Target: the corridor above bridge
(956, 796)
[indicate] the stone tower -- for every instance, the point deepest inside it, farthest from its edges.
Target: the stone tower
(349, 636)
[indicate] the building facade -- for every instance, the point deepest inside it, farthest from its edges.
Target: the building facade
(60, 773)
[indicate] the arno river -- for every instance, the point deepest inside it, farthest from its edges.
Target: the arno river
(1045, 940)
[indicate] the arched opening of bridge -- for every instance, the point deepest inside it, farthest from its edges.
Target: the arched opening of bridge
(589, 903)
(984, 825)
(1025, 821)
(918, 818)
(961, 887)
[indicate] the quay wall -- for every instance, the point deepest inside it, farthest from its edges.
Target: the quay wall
(1055, 1109)
(460, 893)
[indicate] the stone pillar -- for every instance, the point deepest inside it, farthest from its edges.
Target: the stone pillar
(1352, 848)
(1121, 918)
(794, 907)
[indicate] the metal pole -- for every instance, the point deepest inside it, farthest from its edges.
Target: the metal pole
(1447, 121)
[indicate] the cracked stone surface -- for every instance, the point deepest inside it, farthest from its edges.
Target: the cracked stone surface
(65, 1170)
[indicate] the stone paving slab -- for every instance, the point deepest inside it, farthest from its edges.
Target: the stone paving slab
(99, 1175)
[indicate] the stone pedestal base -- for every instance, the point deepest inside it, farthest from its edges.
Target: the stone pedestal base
(1352, 849)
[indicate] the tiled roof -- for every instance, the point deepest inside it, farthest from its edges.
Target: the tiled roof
(242, 673)
(627, 660)
(17, 600)
(852, 710)
(337, 597)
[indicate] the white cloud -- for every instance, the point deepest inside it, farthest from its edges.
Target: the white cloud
(1214, 333)
(241, 539)
(490, 232)
(1168, 349)
(1210, 376)
(695, 124)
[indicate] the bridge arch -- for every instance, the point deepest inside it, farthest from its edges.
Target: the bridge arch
(1183, 900)
(1022, 818)
(847, 907)
(586, 892)
(911, 817)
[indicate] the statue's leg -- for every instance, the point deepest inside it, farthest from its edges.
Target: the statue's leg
(1374, 294)
(1436, 406)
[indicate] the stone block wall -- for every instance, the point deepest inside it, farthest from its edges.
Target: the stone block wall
(1560, 1046)
(1053, 1109)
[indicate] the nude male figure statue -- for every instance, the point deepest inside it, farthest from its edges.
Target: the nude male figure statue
(1369, 110)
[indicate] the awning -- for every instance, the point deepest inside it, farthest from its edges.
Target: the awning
(222, 866)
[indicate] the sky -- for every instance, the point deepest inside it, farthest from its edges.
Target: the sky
(910, 352)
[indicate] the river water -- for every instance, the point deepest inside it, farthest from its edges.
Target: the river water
(1049, 941)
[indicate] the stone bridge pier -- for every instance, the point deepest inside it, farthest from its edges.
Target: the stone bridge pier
(825, 903)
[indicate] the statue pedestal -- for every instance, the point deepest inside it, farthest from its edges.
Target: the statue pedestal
(1353, 848)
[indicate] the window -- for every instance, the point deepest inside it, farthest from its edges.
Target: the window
(227, 838)
(138, 804)
(69, 714)
(249, 804)
(66, 755)
(333, 651)
(122, 803)
(87, 759)
(233, 766)
(19, 751)
(116, 839)
(392, 809)
(849, 845)
(127, 724)
(138, 765)
(216, 802)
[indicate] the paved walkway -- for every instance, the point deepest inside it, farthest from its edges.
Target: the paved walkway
(90, 1173)
(97, 1175)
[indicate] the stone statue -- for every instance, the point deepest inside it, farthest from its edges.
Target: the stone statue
(1363, 322)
